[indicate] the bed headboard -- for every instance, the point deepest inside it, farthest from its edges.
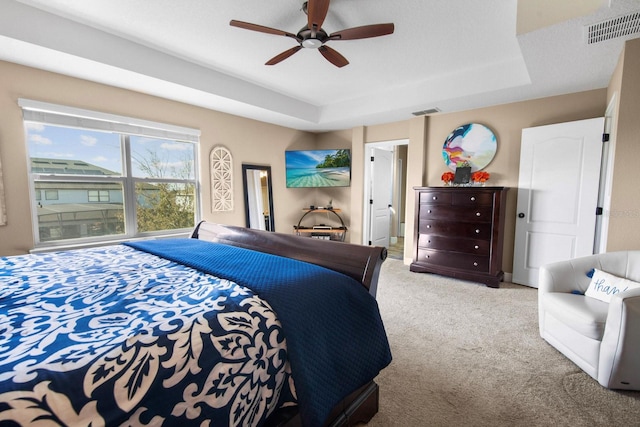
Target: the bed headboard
(360, 262)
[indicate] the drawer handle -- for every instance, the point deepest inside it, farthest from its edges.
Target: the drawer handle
(476, 247)
(473, 199)
(428, 210)
(477, 231)
(475, 264)
(434, 198)
(477, 213)
(426, 256)
(428, 226)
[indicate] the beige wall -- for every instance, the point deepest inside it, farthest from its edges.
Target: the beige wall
(507, 122)
(427, 135)
(624, 215)
(340, 197)
(249, 142)
(259, 143)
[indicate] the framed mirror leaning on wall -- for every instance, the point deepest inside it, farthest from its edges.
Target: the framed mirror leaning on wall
(258, 197)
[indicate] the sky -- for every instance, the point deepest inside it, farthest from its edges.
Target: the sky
(103, 149)
(305, 159)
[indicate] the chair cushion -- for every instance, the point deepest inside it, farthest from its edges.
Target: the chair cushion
(585, 315)
(605, 285)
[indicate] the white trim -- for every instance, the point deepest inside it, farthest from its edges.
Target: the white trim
(45, 112)
(606, 176)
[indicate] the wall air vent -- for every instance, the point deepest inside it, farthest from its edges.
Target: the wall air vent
(613, 28)
(424, 112)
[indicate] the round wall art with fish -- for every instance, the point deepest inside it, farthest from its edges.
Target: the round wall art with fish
(472, 144)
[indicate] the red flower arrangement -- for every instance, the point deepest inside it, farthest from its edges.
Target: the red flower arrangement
(480, 176)
(447, 177)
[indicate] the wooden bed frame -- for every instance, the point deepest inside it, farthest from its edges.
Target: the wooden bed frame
(360, 262)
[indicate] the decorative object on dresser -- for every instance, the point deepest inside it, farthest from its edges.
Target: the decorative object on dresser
(459, 232)
(322, 231)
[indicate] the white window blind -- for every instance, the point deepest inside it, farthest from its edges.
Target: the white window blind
(62, 115)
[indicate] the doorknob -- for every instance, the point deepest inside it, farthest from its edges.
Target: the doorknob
(520, 215)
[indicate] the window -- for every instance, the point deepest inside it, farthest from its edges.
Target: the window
(97, 196)
(105, 177)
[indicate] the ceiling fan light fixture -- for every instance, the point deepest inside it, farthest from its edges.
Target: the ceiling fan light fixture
(313, 36)
(311, 43)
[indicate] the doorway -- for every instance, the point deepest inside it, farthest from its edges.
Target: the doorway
(385, 195)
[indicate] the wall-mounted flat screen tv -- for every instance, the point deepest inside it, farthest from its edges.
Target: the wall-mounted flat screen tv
(318, 168)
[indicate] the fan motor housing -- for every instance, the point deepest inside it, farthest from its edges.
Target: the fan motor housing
(312, 42)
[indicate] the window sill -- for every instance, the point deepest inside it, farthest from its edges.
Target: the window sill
(85, 245)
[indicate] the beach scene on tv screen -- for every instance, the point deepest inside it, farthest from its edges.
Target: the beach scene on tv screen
(318, 168)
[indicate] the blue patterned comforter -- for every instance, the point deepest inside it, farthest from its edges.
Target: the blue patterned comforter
(116, 335)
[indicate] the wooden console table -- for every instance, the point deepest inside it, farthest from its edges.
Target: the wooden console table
(322, 231)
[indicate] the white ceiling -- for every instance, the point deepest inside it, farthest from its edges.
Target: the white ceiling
(450, 54)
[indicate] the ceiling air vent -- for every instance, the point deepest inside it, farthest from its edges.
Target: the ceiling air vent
(613, 28)
(424, 112)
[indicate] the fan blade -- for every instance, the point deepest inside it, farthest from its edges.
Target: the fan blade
(316, 13)
(363, 32)
(333, 56)
(284, 55)
(262, 29)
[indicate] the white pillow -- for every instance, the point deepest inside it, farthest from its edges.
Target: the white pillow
(604, 285)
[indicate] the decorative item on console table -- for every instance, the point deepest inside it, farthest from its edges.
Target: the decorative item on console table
(459, 232)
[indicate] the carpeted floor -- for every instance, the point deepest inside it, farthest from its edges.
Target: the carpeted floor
(468, 355)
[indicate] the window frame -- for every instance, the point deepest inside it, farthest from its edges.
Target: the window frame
(125, 127)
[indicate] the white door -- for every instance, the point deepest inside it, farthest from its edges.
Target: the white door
(381, 193)
(557, 195)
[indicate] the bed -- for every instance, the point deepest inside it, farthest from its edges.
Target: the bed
(232, 326)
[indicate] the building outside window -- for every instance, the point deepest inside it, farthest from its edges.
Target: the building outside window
(99, 184)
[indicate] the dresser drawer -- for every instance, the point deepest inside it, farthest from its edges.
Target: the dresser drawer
(472, 199)
(455, 213)
(454, 260)
(469, 246)
(468, 230)
(435, 197)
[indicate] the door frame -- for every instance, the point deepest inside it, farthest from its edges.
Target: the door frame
(366, 207)
(606, 178)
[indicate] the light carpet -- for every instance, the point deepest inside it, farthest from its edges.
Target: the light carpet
(468, 355)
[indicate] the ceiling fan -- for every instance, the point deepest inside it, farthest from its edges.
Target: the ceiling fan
(312, 36)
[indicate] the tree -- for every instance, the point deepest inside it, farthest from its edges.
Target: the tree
(164, 205)
(340, 159)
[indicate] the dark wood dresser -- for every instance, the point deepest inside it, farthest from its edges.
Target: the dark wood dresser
(459, 232)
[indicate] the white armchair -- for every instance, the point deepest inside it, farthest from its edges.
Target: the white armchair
(603, 339)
